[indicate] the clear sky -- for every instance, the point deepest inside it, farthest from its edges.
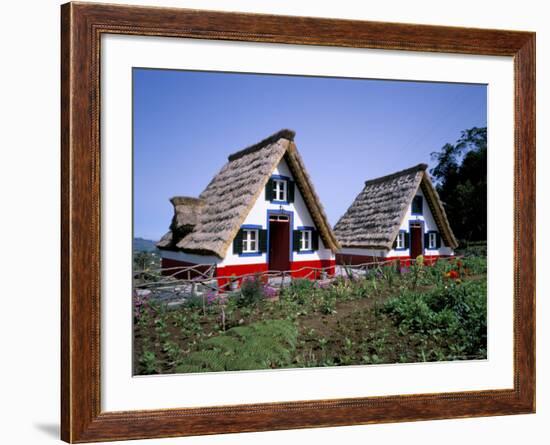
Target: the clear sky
(186, 123)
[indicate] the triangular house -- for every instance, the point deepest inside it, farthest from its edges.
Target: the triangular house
(398, 216)
(259, 213)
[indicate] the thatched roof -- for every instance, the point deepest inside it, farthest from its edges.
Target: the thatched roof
(222, 207)
(374, 218)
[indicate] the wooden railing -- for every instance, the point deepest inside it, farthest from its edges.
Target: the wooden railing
(191, 278)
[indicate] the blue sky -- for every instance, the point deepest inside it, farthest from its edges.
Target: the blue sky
(186, 123)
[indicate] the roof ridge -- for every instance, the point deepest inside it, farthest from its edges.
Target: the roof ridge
(416, 168)
(281, 134)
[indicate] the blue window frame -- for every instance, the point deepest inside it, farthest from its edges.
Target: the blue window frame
(400, 241)
(280, 189)
(251, 240)
(306, 239)
(432, 240)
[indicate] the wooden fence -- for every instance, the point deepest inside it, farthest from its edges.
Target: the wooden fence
(201, 277)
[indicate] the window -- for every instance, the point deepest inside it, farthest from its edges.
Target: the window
(400, 241)
(278, 218)
(417, 205)
(250, 240)
(305, 240)
(433, 240)
(279, 190)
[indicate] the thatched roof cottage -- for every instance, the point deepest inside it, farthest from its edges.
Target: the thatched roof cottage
(259, 213)
(398, 216)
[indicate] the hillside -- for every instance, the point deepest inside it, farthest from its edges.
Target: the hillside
(144, 245)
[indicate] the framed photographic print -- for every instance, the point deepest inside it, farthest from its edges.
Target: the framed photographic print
(276, 222)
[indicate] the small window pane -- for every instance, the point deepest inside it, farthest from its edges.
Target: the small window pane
(305, 240)
(279, 189)
(250, 243)
(432, 241)
(400, 240)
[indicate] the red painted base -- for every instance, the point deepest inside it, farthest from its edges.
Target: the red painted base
(225, 273)
(403, 261)
(298, 269)
(310, 269)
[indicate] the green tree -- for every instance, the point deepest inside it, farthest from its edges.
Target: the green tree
(461, 181)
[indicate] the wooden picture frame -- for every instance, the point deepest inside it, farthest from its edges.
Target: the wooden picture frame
(81, 27)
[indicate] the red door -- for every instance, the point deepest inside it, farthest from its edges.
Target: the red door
(416, 241)
(279, 245)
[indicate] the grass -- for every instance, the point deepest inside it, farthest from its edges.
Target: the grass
(423, 314)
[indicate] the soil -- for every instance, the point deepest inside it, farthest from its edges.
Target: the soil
(356, 333)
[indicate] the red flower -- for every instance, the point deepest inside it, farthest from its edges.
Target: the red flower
(454, 275)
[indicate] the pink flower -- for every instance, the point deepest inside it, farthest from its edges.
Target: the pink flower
(269, 292)
(214, 298)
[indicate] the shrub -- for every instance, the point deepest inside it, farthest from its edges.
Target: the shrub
(453, 317)
(475, 265)
(301, 285)
(299, 290)
(252, 291)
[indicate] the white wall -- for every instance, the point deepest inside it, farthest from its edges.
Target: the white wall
(258, 216)
(30, 163)
(428, 223)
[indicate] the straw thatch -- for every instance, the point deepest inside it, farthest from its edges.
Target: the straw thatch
(374, 218)
(208, 224)
(187, 211)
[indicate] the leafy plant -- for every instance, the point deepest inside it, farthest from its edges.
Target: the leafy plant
(265, 344)
(453, 318)
(149, 363)
(328, 303)
(252, 291)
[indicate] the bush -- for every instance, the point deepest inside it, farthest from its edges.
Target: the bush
(453, 318)
(467, 249)
(299, 290)
(475, 265)
(252, 291)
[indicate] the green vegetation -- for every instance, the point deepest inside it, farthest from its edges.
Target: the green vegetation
(448, 321)
(265, 344)
(390, 315)
(461, 181)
